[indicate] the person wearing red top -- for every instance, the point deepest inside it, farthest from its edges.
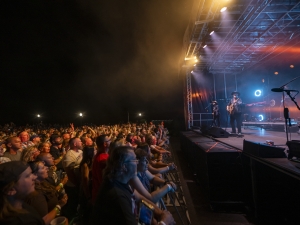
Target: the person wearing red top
(99, 163)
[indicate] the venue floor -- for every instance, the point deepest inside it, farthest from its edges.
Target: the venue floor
(199, 208)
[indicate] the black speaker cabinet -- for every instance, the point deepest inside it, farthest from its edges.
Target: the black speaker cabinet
(263, 150)
(218, 132)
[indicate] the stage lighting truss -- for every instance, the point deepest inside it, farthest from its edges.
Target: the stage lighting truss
(257, 93)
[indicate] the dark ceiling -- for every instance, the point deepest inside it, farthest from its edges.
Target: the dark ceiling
(246, 34)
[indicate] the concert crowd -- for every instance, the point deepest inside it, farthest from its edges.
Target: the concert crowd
(107, 174)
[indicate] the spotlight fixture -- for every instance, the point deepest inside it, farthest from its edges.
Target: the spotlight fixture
(276, 73)
(204, 46)
(211, 32)
(261, 117)
(223, 9)
(257, 93)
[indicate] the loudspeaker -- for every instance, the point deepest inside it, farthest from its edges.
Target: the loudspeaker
(263, 150)
(218, 132)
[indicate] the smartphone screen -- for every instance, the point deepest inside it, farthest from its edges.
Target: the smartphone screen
(145, 216)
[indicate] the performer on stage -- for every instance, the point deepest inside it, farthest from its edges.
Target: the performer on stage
(216, 114)
(235, 111)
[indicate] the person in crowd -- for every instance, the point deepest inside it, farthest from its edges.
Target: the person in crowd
(35, 139)
(29, 154)
(85, 195)
(16, 182)
(24, 136)
(13, 148)
(53, 178)
(157, 151)
(142, 182)
(103, 143)
(71, 164)
(116, 202)
(45, 199)
(55, 150)
(44, 147)
(2, 158)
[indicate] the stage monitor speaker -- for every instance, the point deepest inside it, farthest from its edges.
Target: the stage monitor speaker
(218, 132)
(263, 150)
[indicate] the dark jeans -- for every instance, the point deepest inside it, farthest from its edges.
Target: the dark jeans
(216, 121)
(236, 117)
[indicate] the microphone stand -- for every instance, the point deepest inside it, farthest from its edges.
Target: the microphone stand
(286, 111)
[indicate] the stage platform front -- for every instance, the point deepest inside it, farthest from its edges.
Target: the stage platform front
(269, 186)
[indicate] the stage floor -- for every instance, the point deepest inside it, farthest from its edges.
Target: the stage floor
(257, 134)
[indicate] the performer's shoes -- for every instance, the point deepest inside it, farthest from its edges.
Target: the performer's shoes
(239, 134)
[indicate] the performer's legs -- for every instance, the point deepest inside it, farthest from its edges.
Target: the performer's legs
(232, 120)
(218, 120)
(238, 118)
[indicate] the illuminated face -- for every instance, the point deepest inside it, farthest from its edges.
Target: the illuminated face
(142, 165)
(15, 143)
(48, 159)
(24, 136)
(42, 172)
(46, 148)
(25, 184)
(88, 142)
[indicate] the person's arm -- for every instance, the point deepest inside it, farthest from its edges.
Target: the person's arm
(154, 179)
(154, 196)
(158, 214)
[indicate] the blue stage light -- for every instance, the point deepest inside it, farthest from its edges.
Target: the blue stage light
(257, 93)
(261, 117)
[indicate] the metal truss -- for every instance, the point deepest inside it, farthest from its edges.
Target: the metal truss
(189, 99)
(246, 34)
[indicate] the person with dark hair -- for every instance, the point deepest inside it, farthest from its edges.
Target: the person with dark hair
(44, 199)
(216, 114)
(56, 151)
(103, 143)
(235, 111)
(16, 182)
(116, 202)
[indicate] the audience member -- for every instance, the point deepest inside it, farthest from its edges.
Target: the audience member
(24, 136)
(13, 148)
(16, 182)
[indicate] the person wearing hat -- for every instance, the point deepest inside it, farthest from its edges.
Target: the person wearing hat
(35, 139)
(16, 182)
(216, 114)
(235, 111)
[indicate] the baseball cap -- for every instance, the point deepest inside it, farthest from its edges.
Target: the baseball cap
(10, 171)
(33, 137)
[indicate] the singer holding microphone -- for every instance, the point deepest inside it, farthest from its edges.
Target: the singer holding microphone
(235, 111)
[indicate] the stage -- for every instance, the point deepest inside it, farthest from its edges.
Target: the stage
(256, 134)
(261, 178)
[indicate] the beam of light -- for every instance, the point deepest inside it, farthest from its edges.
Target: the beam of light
(223, 9)
(257, 93)
(261, 117)
(211, 32)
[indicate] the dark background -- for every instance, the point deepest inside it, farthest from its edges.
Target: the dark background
(101, 58)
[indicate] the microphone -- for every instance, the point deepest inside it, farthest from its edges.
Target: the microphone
(281, 90)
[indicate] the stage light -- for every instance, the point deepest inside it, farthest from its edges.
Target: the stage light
(291, 66)
(140, 114)
(211, 33)
(195, 64)
(195, 57)
(257, 93)
(80, 114)
(192, 71)
(261, 117)
(223, 9)
(276, 73)
(38, 115)
(196, 60)
(204, 46)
